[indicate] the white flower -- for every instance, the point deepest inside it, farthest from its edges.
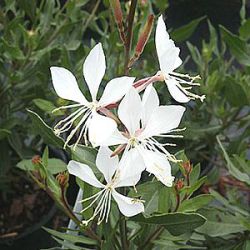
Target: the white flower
(168, 56)
(97, 127)
(116, 174)
(144, 119)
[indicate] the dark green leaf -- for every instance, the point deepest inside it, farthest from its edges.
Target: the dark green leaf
(195, 203)
(175, 223)
(233, 170)
(45, 131)
(70, 237)
(184, 32)
(237, 46)
(46, 106)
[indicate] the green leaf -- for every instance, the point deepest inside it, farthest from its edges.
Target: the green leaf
(195, 203)
(195, 173)
(237, 46)
(245, 30)
(45, 131)
(56, 166)
(84, 154)
(219, 223)
(45, 156)
(233, 170)
(47, 106)
(175, 223)
(184, 32)
(26, 165)
(234, 93)
(190, 189)
(4, 133)
(70, 237)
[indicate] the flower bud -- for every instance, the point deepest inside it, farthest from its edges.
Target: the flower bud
(117, 10)
(63, 179)
(144, 36)
(187, 166)
(179, 184)
(36, 159)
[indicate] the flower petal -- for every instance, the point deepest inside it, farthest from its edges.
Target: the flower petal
(107, 164)
(66, 86)
(130, 169)
(150, 102)
(130, 109)
(158, 165)
(168, 53)
(115, 139)
(84, 172)
(162, 120)
(94, 69)
(100, 128)
(116, 89)
(175, 91)
(128, 206)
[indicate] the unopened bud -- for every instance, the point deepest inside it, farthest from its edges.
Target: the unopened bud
(117, 10)
(144, 36)
(179, 185)
(63, 179)
(36, 159)
(187, 166)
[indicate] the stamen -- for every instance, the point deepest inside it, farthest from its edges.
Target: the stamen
(77, 127)
(67, 107)
(69, 123)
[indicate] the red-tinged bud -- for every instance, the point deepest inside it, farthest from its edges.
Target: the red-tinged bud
(187, 166)
(117, 10)
(144, 36)
(63, 179)
(179, 185)
(36, 159)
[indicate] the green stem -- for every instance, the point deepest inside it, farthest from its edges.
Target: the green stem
(123, 232)
(123, 227)
(151, 238)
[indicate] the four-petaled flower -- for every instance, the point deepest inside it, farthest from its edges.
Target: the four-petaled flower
(169, 60)
(145, 119)
(116, 174)
(91, 124)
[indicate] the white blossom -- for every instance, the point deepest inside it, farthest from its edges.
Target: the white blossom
(145, 119)
(90, 124)
(116, 174)
(169, 60)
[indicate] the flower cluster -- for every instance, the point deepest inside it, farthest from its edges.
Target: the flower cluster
(136, 131)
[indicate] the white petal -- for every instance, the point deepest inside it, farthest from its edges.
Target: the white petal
(150, 102)
(130, 109)
(94, 69)
(106, 164)
(158, 165)
(163, 119)
(130, 169)
(115, 90)
(128, 206)
(66, 86)
(100, 128)
(175, 92)
(115, 139)
(168, 53)
(84, 172)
